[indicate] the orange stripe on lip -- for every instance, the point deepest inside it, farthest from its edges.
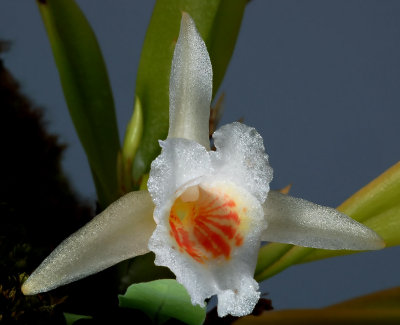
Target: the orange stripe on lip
(183, 240)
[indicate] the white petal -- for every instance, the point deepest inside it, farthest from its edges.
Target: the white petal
(180, 161)
(300, 222)
(190, 87)
(120, 232)
(230, 277)
(241, 158)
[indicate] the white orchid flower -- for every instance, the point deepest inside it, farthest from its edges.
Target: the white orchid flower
(205, 212)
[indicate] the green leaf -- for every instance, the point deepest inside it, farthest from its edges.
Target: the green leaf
(275, 257)
(218, 22)
(86, 89)
(377, 308)
(161, 300)
(376, 205)
(72, 318)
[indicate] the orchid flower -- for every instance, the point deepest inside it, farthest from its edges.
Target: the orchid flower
(205, 212)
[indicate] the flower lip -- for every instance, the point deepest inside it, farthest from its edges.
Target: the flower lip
(219, 252)
(206, 224)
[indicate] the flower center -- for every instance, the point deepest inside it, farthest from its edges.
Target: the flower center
(206, 224)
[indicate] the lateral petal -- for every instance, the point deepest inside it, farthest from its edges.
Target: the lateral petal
(190, 87)
(181, 161)
(300, 222)
(240, 157)
(120, 232)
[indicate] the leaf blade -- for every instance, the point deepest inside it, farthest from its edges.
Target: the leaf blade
(86, 89)
(70, 318)
(161, 300)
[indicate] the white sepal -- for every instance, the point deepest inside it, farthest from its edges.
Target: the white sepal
(300, 222)
(190, 87)
(120, 232)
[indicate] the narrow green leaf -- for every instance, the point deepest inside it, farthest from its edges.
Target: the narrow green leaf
(271, 254)
(218, 22)
(86, 89)
(379, 195)
(284, 256)
(376, 205)
(72, 318)
(161, 300)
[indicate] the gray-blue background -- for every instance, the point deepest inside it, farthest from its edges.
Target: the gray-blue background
(319, 80)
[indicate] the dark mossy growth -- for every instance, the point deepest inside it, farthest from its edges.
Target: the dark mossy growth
(15, 308)
(38, 209)
(37, 204)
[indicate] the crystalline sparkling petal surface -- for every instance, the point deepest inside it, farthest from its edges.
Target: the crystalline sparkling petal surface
(241, 158)
(118, 233)
(190, 86)
(300, 222)
(181, 161)
(182, 175)
(230, 277)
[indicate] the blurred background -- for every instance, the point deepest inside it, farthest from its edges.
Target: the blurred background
(318, 79)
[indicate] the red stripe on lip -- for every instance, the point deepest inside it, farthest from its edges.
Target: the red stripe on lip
(207, 227)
